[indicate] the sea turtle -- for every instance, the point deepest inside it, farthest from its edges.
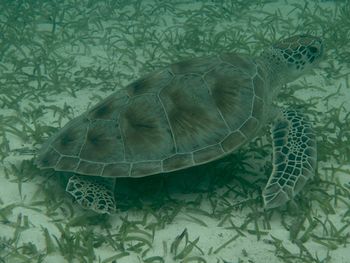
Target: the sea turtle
(190, 113)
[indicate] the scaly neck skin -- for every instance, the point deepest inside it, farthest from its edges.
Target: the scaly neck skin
(275, 67)
(276, 73)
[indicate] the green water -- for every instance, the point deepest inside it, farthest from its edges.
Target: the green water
(59, 58)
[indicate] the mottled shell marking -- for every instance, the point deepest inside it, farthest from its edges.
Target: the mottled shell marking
(190, 113)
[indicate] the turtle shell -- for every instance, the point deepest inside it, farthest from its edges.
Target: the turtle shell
(187, 114)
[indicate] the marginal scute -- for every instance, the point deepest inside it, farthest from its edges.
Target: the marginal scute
(116, 170)
(208, 154)
(68, 140)
(47, 158)
(233, 141)
(67, 163)
(89, 168)
(179, 160)
(141, 169)
(258, 108)
(250, 128)
(259, 86)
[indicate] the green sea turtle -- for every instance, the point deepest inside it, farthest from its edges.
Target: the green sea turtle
(190, 113)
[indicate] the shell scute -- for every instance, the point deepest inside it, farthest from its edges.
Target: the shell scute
(190, 113)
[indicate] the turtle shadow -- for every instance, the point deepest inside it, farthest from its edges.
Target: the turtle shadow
(238, 172)
(241, 173)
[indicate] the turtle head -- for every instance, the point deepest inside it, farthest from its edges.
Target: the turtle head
(291, 57)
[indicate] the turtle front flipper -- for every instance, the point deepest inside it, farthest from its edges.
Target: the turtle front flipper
(91, 194)
(294, 158)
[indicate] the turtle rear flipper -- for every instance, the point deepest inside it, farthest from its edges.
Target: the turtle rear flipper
(91, 194)
(294, 158)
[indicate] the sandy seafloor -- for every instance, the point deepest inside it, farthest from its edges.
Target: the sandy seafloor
(98, 46)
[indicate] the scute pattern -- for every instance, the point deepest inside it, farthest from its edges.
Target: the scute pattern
(142, 168)
(89, 168)
(178, 160)
(207, 154)
(190, 113)
(241, 63)
(70, 139)
(194, 124)
(230, 89)
(145, 129)
(103, 142)
(116, 170)
(48, 157)
(194, 66)
(67, 163)
(150, 83)
(249, 127)
(233, 141)
(109, 108)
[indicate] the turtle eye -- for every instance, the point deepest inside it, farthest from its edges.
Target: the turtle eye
(313, 50)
